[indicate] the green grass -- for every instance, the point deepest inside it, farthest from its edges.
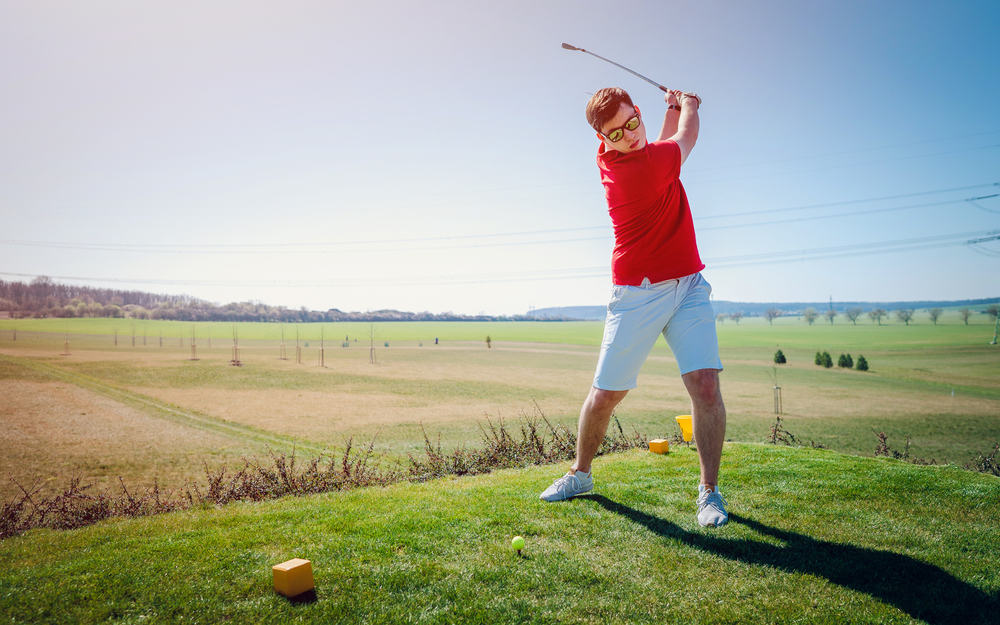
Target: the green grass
(573, 332)
(753, 331)
(815, 537)
(939, 385)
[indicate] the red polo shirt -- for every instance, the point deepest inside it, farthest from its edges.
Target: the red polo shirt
(654, 232)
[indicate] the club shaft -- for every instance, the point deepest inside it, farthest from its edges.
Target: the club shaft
(652, 82)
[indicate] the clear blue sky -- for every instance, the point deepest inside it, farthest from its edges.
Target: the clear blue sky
(434, 155)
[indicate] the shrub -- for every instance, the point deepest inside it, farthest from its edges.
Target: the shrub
(503, 446)
(862, 364)
(779, 357)
(987, 463)
(819, 359)
(845, 361)
(827, 360)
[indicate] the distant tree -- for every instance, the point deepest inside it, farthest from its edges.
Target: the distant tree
(830, 314)
(827, 360)
(862, 364)
(934, 314)
(818, 359)
(721, 317)
(779, 357)
(771, 314)
(965, 313)
(736, 316)
(993, 310)
(876, 314)
(905, 315)
(810, 314)
(853, 314)
(845, 361)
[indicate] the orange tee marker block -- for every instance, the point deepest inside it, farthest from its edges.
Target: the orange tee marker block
(659, 446)
(293, 577)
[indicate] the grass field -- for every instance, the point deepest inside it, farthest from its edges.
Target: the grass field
(815, 537)
(145, 411)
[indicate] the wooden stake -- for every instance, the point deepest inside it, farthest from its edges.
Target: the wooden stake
(322, 347)
(236, 349)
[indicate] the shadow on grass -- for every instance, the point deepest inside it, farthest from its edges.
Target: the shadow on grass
(922, 590)
(308, 596)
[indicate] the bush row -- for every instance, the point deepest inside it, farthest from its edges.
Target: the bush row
(823, 359)
(502, 447)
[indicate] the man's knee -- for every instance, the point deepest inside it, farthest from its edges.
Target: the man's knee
(703, 385)
(601, 399)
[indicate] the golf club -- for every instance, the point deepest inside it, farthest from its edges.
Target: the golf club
(567, 46)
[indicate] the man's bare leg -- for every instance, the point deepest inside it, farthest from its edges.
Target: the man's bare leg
(594, 417)
(709, 416)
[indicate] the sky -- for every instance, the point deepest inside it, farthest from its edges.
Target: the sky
(434, 156)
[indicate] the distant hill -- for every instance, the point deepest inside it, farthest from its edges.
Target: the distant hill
(756, 309)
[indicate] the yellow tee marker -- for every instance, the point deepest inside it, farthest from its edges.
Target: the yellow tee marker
(659, 446)
(293, 578)
(684, 420)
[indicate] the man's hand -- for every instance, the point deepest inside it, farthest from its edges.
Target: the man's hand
(690, 99)
(672, 97)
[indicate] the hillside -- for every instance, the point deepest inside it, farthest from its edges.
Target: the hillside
(815, 536)
(755, 309)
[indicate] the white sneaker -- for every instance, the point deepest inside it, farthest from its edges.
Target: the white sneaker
(711, 507)
(569, 485)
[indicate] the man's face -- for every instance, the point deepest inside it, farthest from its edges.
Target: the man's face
(632, 140)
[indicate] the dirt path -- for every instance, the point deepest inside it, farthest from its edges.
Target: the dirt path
(164, 410)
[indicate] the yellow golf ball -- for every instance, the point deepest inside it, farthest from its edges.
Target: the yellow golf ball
(517, 543)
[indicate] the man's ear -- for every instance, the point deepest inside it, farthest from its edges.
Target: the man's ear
(637, 110)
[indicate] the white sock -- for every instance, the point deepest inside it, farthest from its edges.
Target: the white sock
(583, 475)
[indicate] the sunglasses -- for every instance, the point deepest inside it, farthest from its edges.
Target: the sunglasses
(617, 134)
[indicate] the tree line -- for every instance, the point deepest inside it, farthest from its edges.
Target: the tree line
(42, 297)
(906, 315)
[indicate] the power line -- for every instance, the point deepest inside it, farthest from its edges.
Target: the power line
(326, 247)
(850, 164)
(870, 211)
(799, 255)
(847, 202)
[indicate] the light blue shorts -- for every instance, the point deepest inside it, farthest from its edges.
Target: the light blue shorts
(637, 315)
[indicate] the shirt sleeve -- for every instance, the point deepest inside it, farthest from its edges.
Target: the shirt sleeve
(665, 159)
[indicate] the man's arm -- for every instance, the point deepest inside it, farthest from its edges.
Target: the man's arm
(671, 116)
(687, 126)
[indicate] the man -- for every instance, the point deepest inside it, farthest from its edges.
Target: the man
(658, 286)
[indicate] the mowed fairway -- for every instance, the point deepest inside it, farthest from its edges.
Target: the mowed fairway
(145, 410)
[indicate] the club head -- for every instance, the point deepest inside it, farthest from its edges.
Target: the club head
(569, 47)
